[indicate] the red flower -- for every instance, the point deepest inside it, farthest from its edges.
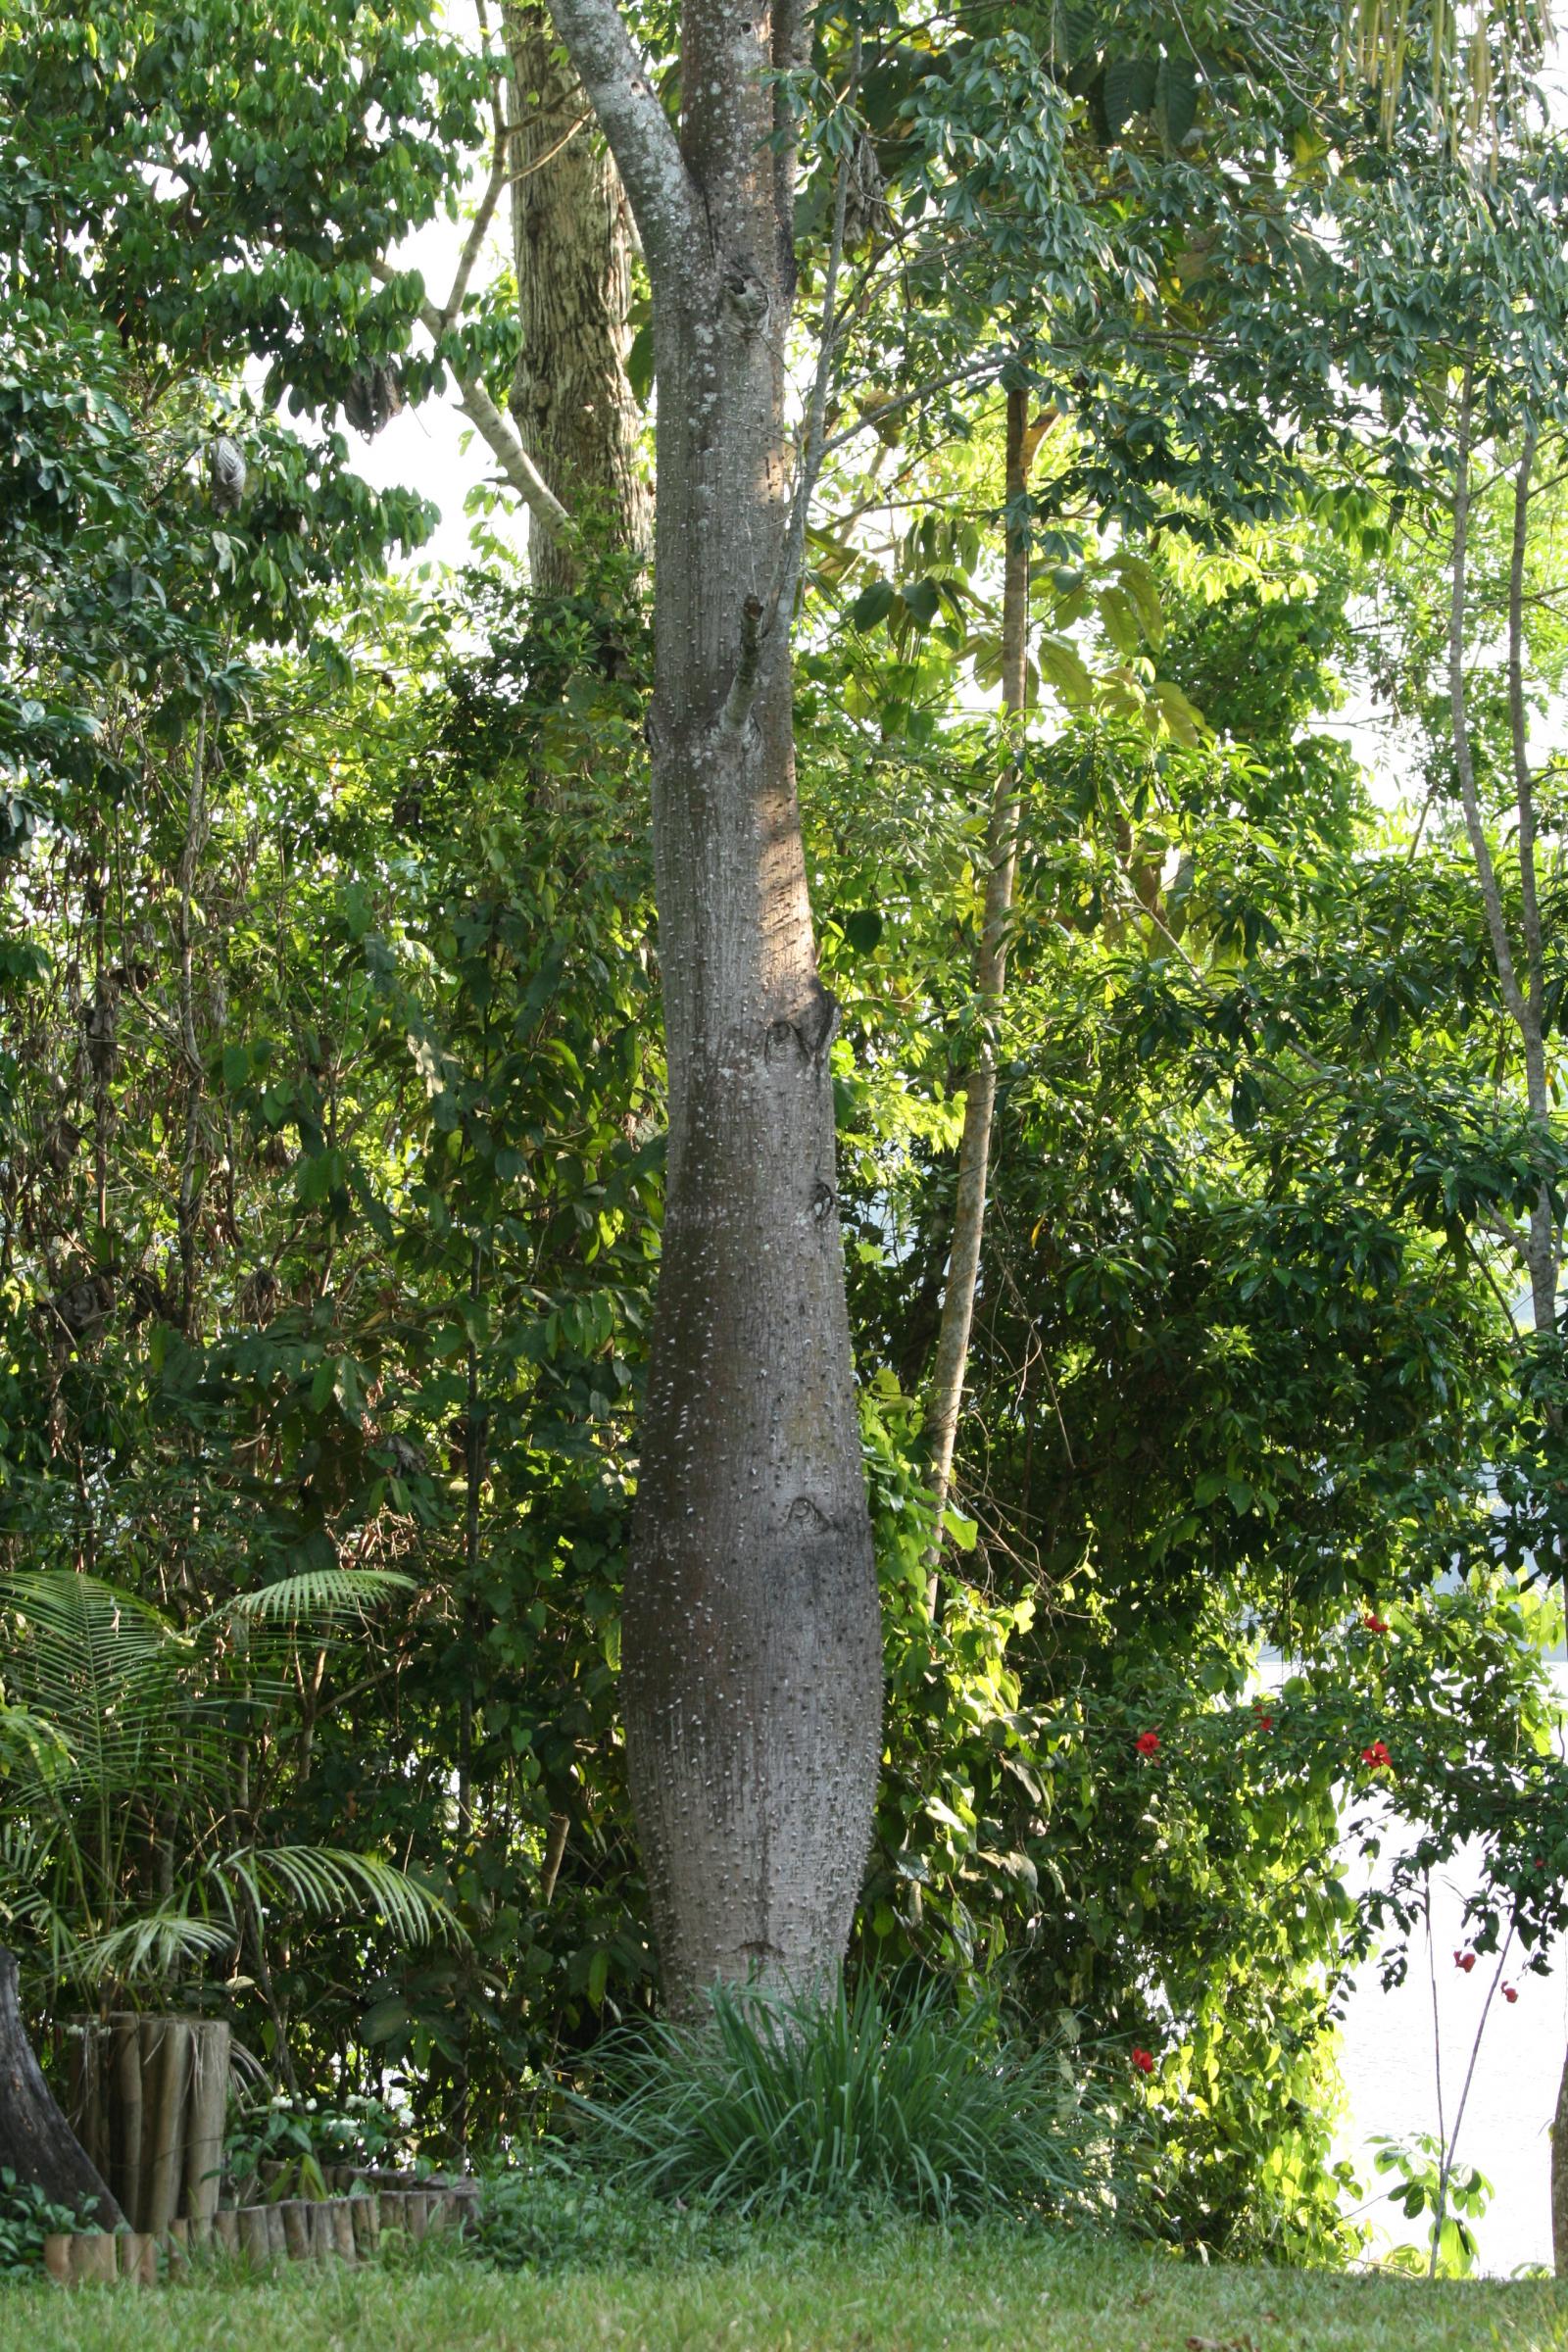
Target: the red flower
(1510, 1992)
(1374, 1623)
(1377, 1756)
(1464, 1960)
(1266, 1723)
(1148, 1743)
(1143, 2061)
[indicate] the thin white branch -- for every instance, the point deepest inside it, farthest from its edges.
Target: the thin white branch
(495, 430)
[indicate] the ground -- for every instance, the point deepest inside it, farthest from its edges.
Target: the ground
(912, 2293)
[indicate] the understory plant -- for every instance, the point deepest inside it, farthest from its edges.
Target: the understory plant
(27, 2218)
(775, 2101)
(302, 2135)
(136, 1850)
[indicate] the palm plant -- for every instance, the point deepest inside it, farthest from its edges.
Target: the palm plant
(130, 1847)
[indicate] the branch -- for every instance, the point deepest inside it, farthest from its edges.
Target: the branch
(514, 459)
(1541, 1254)
(781, 596)
(477, 233)
(494, 429)
(668, 212)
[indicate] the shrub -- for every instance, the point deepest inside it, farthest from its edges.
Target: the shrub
(27, 2218)
(777, 2103)
(306, 2134)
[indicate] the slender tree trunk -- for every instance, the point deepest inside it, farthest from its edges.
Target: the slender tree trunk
(1543, 1250)
(991, 978)
(1525, 1004)
(570, 398)
(751, 1645)
(1559, 2178)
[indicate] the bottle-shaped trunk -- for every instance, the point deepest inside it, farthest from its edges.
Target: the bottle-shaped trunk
(750, 1643)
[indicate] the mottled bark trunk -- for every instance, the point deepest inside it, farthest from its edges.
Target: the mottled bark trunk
(37, 2142)
(1559, 2178)
(991, 978)
(751, 1646)
(570, 398)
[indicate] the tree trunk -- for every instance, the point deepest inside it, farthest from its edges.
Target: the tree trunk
(751, 1645)
(1559, 2178)
(991, 978)
(570, 398)
(37, 2142)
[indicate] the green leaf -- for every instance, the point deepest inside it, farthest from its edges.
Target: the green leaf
(864, 929)
(873, 604)
(964, 1532)
(1129, 90)
(1175, 100)
(922, 601)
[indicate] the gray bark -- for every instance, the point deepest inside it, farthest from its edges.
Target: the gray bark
(570, 398)
(37, 2142)
(751, 1645)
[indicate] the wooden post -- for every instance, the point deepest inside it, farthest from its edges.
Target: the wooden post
(206, 2113)
(93, 2260)
(166, 2055)
(149, 2096)
(137, 2255)
(123, 2138)
(254, 2241)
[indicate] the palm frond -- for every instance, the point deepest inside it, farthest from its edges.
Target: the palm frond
(151, 1947)
(328, 1881)
(101, 1666)
(31, 1750)
(317, 1596)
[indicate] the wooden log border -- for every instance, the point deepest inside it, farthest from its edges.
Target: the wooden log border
(337, 2229)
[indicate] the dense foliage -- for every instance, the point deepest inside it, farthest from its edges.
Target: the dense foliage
(331, 1078)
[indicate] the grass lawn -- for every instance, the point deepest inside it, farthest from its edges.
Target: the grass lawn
(904, 2291)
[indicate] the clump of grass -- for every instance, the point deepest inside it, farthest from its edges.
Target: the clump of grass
(776, 2104)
